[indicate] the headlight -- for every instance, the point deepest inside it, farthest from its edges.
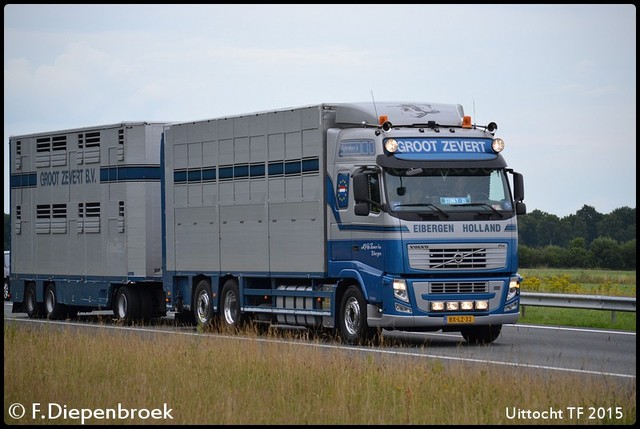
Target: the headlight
(400, 289)
(514, 288)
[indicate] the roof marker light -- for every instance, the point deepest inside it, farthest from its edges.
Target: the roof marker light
(383, 121)
(391, 145)
(466, 121)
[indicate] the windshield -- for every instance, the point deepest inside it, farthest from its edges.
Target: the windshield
(447, 190)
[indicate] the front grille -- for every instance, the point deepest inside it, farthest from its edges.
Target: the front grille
(458, 287)
(457, 257)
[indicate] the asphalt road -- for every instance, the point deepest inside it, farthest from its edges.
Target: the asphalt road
(544, 348)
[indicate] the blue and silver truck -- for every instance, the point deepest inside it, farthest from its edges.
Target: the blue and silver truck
(349, 217)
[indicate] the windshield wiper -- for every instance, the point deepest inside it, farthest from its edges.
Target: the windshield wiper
(430, 205)
(478, 204)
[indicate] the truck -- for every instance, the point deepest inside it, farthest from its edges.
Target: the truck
(349, 217)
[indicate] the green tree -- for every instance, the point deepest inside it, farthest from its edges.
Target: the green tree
(591, 218)
(553, 256)
(576, 226)
(549, 233)
(605, 252)
(620, 225)
(528, 228)
(577, 254)
(628, 252)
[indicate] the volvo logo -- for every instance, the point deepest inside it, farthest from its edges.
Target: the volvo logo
(458, 258)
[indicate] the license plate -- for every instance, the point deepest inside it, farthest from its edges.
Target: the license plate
(460, 319)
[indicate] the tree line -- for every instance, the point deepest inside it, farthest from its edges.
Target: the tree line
(586, 239)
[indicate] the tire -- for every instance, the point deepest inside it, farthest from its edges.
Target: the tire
(126, 304)
(230, 314)
(7, 290)
(33, 307)
(203, 305)
(352, 319)
(53, 309)
(481, 334)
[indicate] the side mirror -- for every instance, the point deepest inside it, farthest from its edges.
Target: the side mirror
(521, 208)
(518, 187)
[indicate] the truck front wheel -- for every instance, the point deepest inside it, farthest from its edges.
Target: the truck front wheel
(352, 319)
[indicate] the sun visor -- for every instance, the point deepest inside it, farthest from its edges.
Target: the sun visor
(388, 161)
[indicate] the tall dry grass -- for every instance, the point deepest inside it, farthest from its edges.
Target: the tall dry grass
(242, 379)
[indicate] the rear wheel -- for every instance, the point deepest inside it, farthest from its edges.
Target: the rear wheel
(230, 314)
(352, 318)
(34, 309)
(126, 306)
(481, 334)
(203, 308)
(53, 309)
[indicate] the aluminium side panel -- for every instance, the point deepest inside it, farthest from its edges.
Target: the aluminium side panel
(296, 192)
(191, 197)
(85, 202)
(244, 194)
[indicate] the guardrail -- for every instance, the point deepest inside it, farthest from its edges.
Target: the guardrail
(590, 302)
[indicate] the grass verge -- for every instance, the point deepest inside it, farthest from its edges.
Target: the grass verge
(240, 380)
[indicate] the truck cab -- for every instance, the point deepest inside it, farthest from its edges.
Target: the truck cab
(424, 219)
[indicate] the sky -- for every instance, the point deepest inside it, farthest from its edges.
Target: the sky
(559, 80)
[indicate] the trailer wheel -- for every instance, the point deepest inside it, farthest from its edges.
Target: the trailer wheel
(481, 334)
(230, 314)
(7, 290)
(203, 310)
(34, 309)
(53, 309)
(126, 305)
(352, 318)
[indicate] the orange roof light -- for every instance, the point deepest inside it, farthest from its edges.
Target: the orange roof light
(382, 119)
(466, 121)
